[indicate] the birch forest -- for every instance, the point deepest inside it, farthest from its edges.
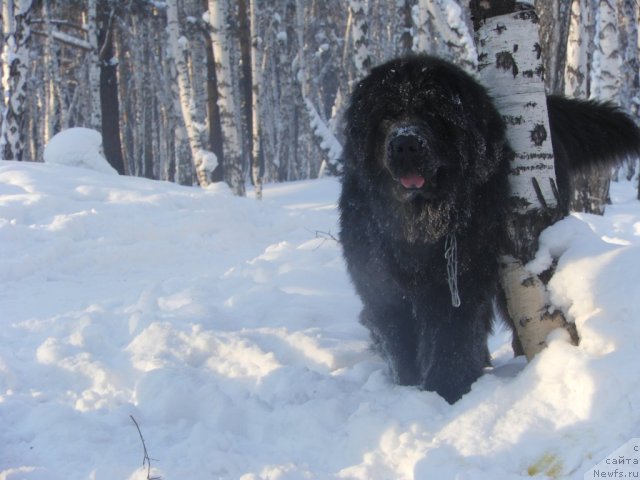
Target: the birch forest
(252, 91)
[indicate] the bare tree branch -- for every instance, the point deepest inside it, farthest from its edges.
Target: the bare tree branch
(146, 460)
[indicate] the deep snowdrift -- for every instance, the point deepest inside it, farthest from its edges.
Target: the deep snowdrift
(228, 329)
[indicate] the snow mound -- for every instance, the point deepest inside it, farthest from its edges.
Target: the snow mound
(78, 147)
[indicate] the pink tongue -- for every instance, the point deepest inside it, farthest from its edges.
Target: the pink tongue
(412, 181)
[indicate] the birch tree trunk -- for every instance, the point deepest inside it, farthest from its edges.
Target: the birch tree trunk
(255, 10)
(359, 11)
(455, 42)
(316, 125)
(285, 119)
(52, 79)
(213, 111)
(109, 100)
(554, 29)
(511, 67)
(405, 35)
(204, 161)
(423, 37)
(93, 58)
(17, 49)
(8, 26)
(600, 80)
(630, 71)
(226, 69)
(577, 66)
(605, 84)
(630, 41)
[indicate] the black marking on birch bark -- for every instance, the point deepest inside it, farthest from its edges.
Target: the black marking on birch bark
(513, 119)
(546, 275)
(515, 47)
(541, 199)
(538, 134)
(539, 72)
(518, 203)
(538, 49)
(537, 167)
(500, 27)
(554, 189)
(528, 13)
(524, 321)
(505, 61)
(531, 104)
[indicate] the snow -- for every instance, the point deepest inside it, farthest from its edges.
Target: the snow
(78, 147)
(209, 161)
(227, 328)
(328, 141)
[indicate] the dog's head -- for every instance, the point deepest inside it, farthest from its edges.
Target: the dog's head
(424, 129)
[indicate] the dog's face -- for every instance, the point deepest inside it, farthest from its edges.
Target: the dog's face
(419, 158)
(424, 124)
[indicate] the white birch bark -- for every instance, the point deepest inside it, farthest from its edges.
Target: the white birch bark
(314, 124)
(17, 61)
(3, 68)
(286, 111)
(136, 74)
(511, 67)
(255, 10)
(605, 82)
(456, 41)
(222, 44)
(344, 80)
(629, 40)
(203, 160)
(422, 40)
(554, 28)
(52, 79)
(8, 26)
(514, 77)
(629, 96)
(576, 69)
(326, 140)
(359, 11)
(269, 103)
(404, 35)
(95, 114)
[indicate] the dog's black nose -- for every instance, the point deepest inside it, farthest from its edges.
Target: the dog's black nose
(406, 147)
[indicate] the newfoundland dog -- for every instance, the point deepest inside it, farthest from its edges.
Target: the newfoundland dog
(424, 192)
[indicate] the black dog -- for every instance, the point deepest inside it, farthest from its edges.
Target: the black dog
(424, 191)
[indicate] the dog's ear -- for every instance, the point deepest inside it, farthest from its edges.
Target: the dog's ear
(354, 128)
(372, 101)
(487, 133)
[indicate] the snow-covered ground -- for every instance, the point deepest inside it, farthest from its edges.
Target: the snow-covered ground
(227, 328)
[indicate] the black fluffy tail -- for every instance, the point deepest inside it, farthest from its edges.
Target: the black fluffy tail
(589, 133)
(588, 139)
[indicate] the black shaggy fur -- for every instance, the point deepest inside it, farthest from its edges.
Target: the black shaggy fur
(425, 163)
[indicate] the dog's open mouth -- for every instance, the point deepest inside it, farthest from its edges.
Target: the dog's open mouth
(412, 181)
